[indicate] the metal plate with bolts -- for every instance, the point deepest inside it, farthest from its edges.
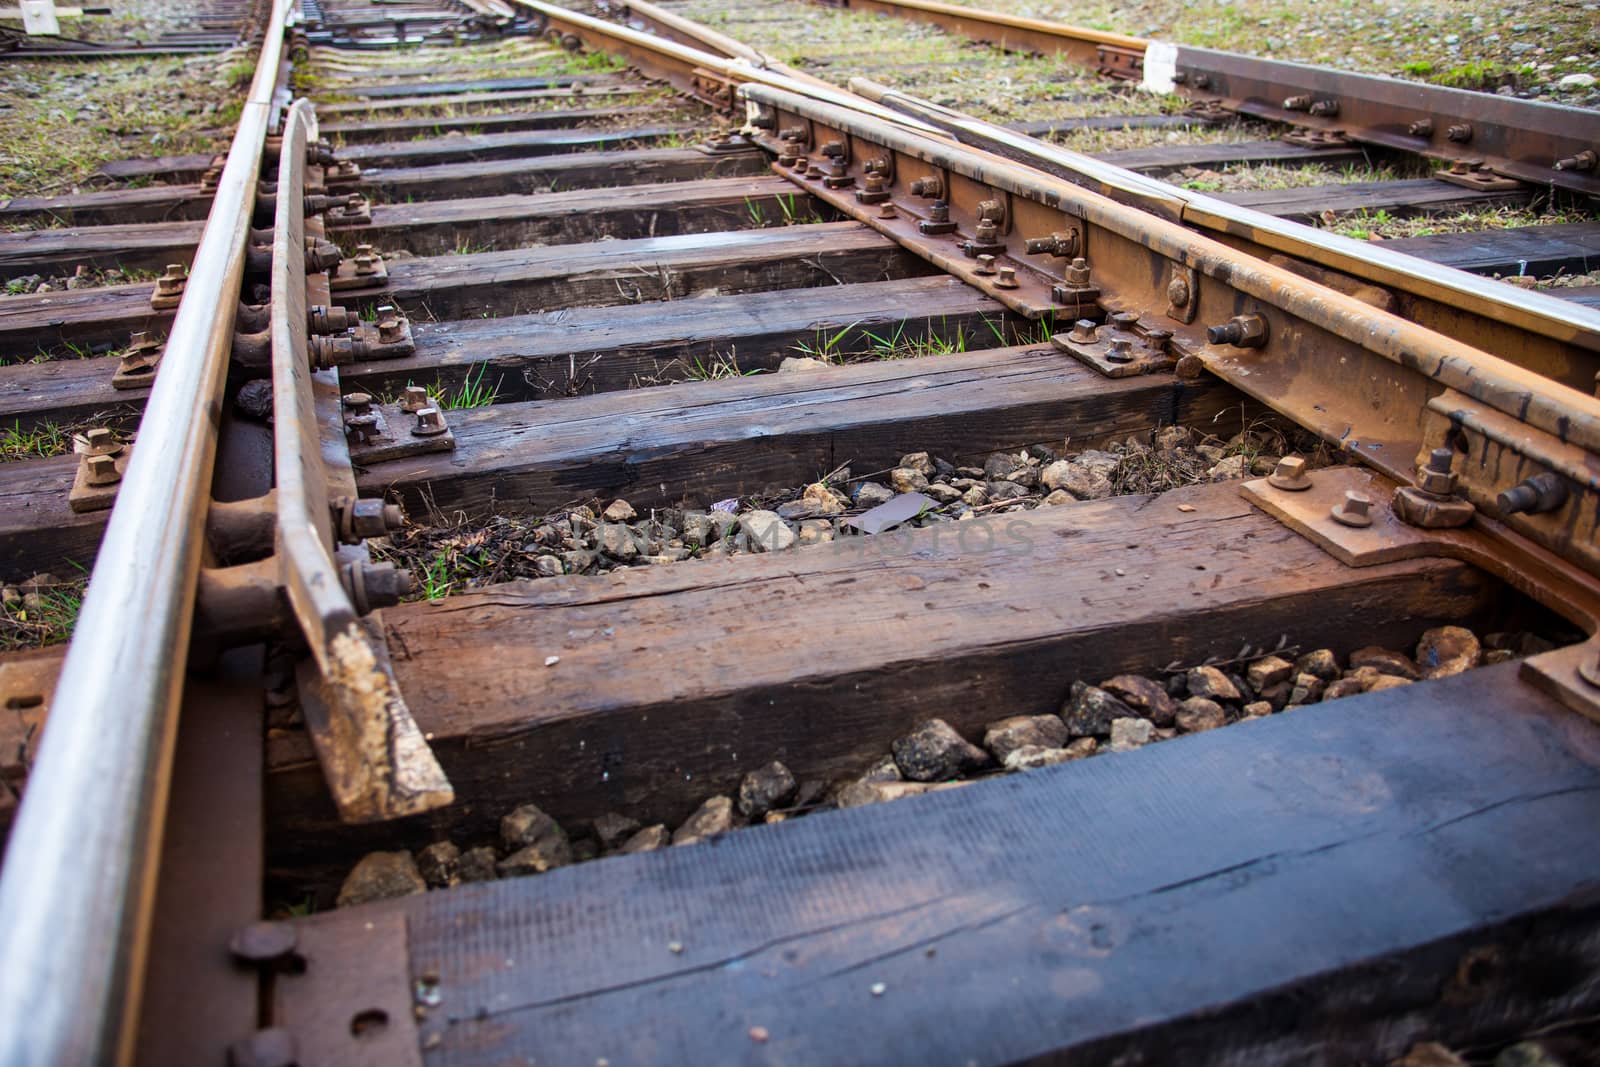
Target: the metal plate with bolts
(353, 1003)
(345, 278)
(392, 438)
(1494, 548)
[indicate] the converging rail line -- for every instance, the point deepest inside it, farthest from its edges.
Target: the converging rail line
(604, 547)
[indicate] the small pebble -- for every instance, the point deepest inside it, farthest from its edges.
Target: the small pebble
(551, 661)
(879, 989)
(759, 1034)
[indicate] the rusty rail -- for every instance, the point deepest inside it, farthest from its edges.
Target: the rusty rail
(1147, 294)
(374, 758)
(78, 884)
(1557, 338)
(1488, 139)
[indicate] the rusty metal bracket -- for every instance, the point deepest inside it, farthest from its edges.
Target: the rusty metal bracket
(137, 367)
(1122, 347)
(1124, 64)
(102, 460)
(364, 270)
(1472, 174)
(350, 997)
(1310, 138)
(378, 432)
(1563, 673)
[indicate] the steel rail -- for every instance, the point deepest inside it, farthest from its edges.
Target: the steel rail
(79, 879)
(1569, 352)
(1564, 322)
(1352, 372)
(689, 68)
(1486, 135)
(377, 764)
(1116, 54)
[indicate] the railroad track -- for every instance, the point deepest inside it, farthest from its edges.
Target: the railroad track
(573, 435)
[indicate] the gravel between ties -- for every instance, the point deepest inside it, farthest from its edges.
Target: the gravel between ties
(1119, 714)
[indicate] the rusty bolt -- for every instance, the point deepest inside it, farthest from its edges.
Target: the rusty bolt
(429, 423)
(812, 170)
(1125, 320)
(1460, 133)
(375, 585)
(101, 470)
(929, 188)
(101, 441)
(274, 1047)
(985, 265)
(1156, 340)
(263, 942)
(1202, 81)
(991, 211)
(415, 399)
(1535, 495)
(793, 133)
(1006, 279)
(1242, 331)
(1436, 478)
(1078, 273)
(1082, 332)
(874, 182)
(1354, 510)
(361, 428)
(1178, 292)
(1421, 128)
(939, 212)
(833, 149)
(986, 231)
(1120, 351)
(1584, 160)
(172, 282)
(1290, 474)
(389, 331)
(324, 320)
(1325, 108)
(764, 120)
(357, 519)
(1296, 103)
(358, 403)
(886, 211)
(366, 260)
(1057, 244)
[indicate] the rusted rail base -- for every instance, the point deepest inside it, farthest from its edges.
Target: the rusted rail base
(1328, 885)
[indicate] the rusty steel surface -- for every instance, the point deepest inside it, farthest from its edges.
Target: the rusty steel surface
(1556, 338)
(1317, 511)
(375, 760)
(1527, 140)
(1113, 54)
(78, 885)
(1483, 135)
(1360, 377)
(1553, 337)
